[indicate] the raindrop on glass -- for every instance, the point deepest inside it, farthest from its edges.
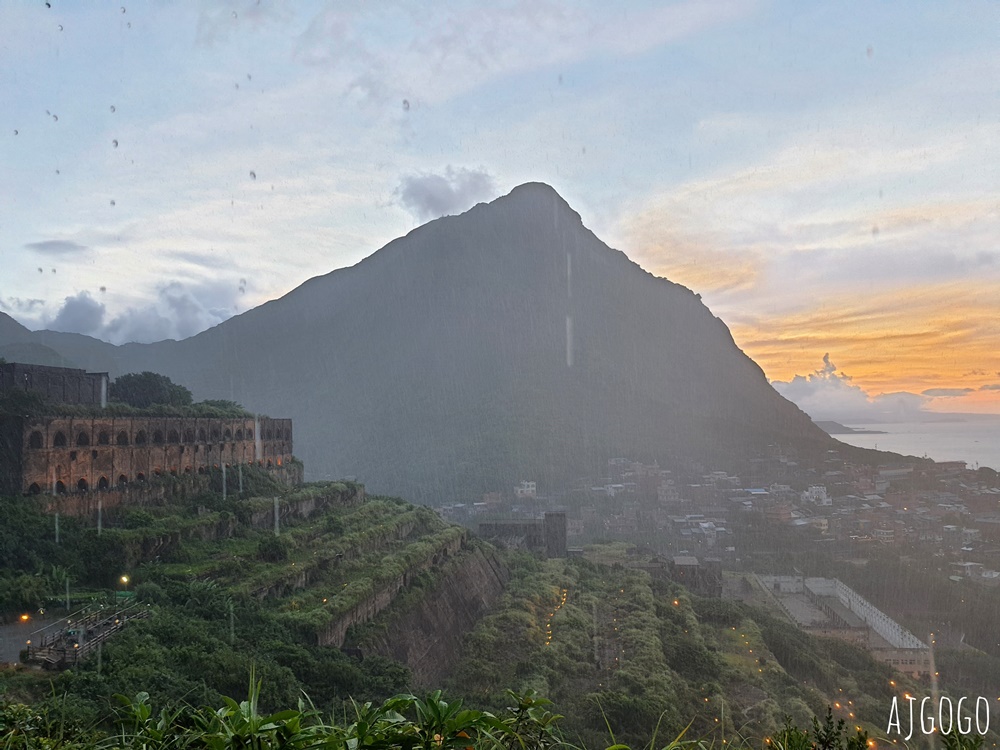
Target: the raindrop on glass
(112, 107)
(129, 24)
(123, 9)
(48, 5)
(40, 270)
(104, 289)
(57, 171)
(253, 175)
(115, 143)
(55, 117)
(236, 85)
(112, 203)
(875, 230)
(60, 27)
(234, 14)
(15, 132)
(248, 76)
(406, 105)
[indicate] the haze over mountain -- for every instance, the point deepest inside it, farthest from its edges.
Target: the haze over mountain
(505, 343)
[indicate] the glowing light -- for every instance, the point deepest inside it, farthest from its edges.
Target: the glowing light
(25, 618)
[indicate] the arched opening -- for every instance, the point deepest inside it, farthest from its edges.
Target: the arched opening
(269, 464)
(201, 469)
(228, 435)
(279, 462)
(82, 438)
(173, 472)
(59, 441)
(140, 477)
(239, 433)
(187, 469)
(288, 434)
(215, 433)
(103, 438)
(122, 480)
(269, 435)
(189, 435)
(157, 437)
(60, 488)
(103, 483)
(122, 438)
(158, 472)
(34, 489)
(36, 440)
(202, 437)
(140, 437)
(173, 437)
(82, 485)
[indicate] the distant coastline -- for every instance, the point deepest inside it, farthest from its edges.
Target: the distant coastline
(836, 428)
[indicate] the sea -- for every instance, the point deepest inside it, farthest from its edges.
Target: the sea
(973, 438)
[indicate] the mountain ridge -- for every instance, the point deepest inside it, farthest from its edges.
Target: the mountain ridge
(503, 343)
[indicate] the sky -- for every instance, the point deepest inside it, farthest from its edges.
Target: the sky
(826, 176)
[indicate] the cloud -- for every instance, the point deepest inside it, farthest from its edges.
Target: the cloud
(79, 314)
(178, 311)
(990, 387)
(27, 306)
(829, 394)
(947, 392)
(428, 196)
(57, 247)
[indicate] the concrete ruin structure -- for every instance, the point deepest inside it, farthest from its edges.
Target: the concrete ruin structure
(828, 607)
(59, 454)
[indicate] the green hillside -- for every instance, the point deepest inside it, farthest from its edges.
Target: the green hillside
(415, 603)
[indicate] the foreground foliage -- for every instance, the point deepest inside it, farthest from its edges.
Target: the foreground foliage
(405, 721)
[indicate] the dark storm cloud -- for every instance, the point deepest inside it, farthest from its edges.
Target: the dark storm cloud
(428, 196)
(79, 314)
(57, 247)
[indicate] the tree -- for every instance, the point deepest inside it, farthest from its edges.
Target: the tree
(145, 389)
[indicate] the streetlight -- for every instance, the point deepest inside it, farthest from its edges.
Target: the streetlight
(124, 582)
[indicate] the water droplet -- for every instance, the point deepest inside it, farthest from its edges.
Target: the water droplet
(875, 230)
(123, 9)
(236, 85)
(870, 52)
(112, 107)
(57, 171)
(112, 203)
(15, 132)
(55, 117)
(406, 105)
(115, 143)
(53, 270)
(40, 270)
(253, 175)
(129, 24)
(104, 289)
(248, 77)
(48, 5)
(60, 27)
(234, 14)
